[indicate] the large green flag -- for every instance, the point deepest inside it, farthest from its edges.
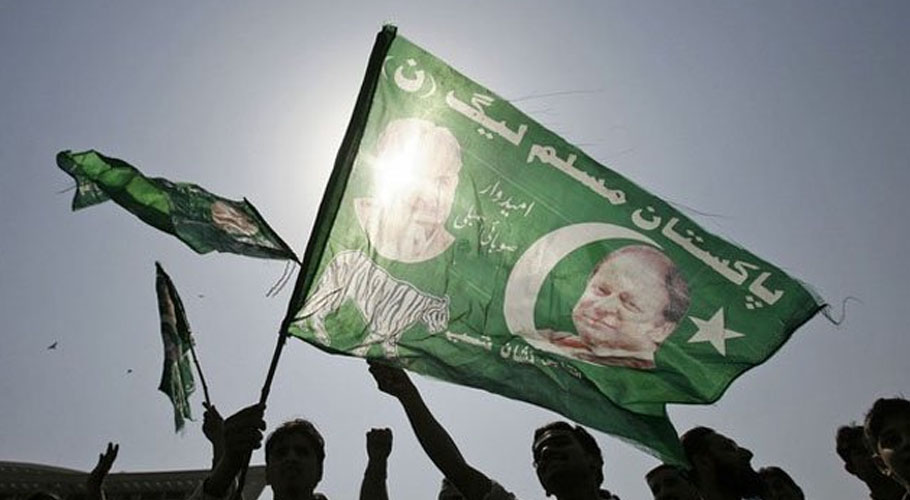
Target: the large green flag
(461, 239)
(177, 374)
(200, 219)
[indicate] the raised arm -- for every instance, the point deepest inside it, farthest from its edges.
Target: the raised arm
(213, 428)
(242, 435)
(95, 481)
(379, 446)
(433, 437)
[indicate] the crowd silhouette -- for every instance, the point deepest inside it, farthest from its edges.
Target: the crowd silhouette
(566, 458)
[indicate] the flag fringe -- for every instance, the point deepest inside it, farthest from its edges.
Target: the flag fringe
(282, 280)
(829, 315)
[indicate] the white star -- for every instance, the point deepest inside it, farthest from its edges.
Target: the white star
(713, 331)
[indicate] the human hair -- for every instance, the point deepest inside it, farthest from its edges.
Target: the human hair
(683, 473)
(695, 442)
(882, 410)
(297, 426)
(674, 281)
(678, 291)
(584, 438)
(849, 437)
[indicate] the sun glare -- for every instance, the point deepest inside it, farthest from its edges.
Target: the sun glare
(396, 172)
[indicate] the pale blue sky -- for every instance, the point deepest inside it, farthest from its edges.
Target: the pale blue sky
(788, 120)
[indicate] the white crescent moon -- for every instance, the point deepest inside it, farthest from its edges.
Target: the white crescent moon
(531, 270)
(384, 62)
(432, 89)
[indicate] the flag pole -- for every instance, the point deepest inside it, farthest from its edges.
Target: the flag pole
(328, 207)
(264, 395)
(205, 387)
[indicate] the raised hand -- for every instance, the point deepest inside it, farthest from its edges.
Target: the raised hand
(213, 429)
(243, 432)
(392, 381)
(212, 424)
(379, 444)
(433, 437)
(96, 478)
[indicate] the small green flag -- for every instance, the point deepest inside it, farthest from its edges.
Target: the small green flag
(177, 374)
(200, 219)
(461, 239)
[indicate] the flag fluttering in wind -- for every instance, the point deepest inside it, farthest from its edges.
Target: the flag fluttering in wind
(177, 374)
(202, 220)
(461, 239)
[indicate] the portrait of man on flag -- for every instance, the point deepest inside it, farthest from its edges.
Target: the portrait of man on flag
(415, 174)
(633, 299)
(232, 220)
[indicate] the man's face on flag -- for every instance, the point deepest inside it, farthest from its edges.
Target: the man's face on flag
(415, 175)
(425, 200)
(231, 220)
(624, 301)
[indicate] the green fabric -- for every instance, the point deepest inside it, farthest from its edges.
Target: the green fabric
(200, 219)
(469, 243)
(177, 373)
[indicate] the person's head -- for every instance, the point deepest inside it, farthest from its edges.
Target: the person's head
(416, 172)
(294, 454)
(633, 300)
(718, 462)
(857, 457)
(669, 482)
(888, 437)
(779, 485)
(566, 456)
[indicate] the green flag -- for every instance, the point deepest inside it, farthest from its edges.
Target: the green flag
(177, 374)
(200, 219)
(461, 239)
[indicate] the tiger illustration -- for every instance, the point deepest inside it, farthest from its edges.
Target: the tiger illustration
(389, 306)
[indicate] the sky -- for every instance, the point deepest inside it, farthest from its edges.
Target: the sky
(781, 126)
